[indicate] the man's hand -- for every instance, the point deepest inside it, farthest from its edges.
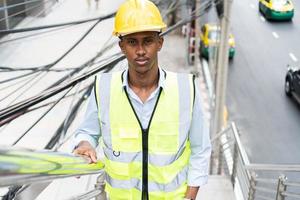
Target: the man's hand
(191, 192)
(86, 150)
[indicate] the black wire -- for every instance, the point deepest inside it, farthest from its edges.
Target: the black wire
(58, 60)
(20, 87)
(15, 109)
(52, 102)
(22, 106)
(105, 59)
(15, 83)
(202, 10)
(33, 34)
(64, 126)
(46, 67)
(9, 69)
(69, 120)
(17, 77)
(83, 66)
(31, 85)
(39, 119)
(73, 113)
(8, 120)
(57, 25)
(173, 6)
(76, 70)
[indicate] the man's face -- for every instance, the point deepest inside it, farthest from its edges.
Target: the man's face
(141, 50)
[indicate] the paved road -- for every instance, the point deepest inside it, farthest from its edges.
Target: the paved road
(268, 120)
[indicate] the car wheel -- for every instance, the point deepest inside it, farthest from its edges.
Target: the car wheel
(259, 7)
(287, 87)
(201, 50)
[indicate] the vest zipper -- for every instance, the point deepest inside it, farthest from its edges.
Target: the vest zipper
(145, 194)
(145, 136)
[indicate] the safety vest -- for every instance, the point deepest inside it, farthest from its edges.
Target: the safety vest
(147, 163)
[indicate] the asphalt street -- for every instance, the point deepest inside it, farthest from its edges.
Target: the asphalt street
(268, 120)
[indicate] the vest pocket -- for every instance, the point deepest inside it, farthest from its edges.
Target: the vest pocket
(165, 143)
(164, 138)
(117, 170)
(126, 138)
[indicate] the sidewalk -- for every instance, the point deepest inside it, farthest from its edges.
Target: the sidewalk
(218, 188)
(173, 58)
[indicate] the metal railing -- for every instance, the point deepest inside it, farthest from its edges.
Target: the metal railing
(253, 180)
(23, 167)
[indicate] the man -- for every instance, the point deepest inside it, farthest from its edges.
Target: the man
(96, 2)
(150, 123)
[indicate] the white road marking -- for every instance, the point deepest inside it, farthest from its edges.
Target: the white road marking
(252, 5)
(293, 57)
(275, 35)
(262, 18)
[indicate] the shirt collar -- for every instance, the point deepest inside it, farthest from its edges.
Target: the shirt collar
(161, 81)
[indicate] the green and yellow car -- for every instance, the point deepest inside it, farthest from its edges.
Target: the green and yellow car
(277, 9)
(210, 36)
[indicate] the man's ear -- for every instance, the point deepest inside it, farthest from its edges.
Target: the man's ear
(121, 46)
(160, 42)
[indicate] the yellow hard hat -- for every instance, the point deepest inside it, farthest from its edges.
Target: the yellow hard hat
(138, 16)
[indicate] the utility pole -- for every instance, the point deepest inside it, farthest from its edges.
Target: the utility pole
(221, 82)
(197, 38)
(192, 37)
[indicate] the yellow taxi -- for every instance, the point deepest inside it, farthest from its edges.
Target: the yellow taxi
(277, 9)
(210, 36)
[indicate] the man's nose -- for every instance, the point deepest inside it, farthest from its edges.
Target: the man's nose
(140, 50)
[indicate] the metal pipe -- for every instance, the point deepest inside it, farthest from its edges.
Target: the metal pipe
(28, 179)
(294, 184)
(89, 195)
(273, 167)
(234, 166)
(267, 180)
(242, 151)
(281, 187)
(266, 190)
(18, 167)
(291, 194)
(100, 185)
(263, 197)
(252, 190)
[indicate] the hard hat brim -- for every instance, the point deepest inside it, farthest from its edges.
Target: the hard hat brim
(127, 32)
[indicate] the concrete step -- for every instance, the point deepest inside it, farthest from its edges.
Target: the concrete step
(218, 188)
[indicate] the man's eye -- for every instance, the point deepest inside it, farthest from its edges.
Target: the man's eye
(149, 41)
(131, 42)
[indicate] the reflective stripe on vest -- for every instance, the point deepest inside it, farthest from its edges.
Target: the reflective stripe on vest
(168, 146)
